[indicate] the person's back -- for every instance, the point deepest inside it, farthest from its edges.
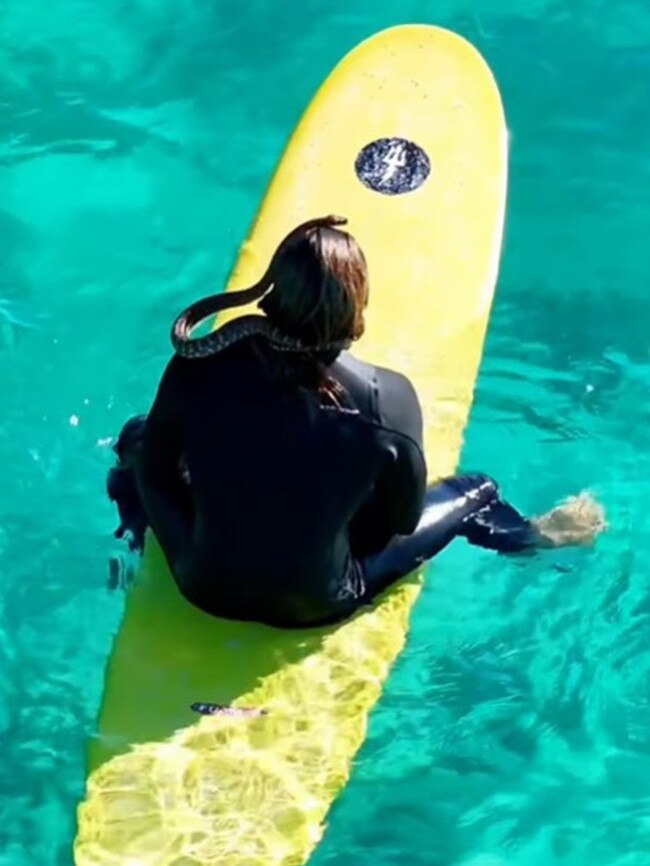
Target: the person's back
(307, 477)
(285, 477)
(284, 444)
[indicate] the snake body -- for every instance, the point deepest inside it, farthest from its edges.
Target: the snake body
(249, 325)
(230, 333)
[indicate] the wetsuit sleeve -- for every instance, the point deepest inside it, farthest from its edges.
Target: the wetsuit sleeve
(159, 478)
(381, 395)
(405, 477)
(396, 502)
(162, 445)
(398, 406)
(400, 492)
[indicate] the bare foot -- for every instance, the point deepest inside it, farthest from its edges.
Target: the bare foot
(575, 522)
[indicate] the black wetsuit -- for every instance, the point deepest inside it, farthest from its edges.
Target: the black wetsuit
(299, 511)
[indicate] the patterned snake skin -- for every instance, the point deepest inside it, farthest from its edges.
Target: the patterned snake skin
(233, 332)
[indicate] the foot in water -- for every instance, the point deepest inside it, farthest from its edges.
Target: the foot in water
(575, 522)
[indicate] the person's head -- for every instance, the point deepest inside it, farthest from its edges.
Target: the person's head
(319, 286)
(314, 293)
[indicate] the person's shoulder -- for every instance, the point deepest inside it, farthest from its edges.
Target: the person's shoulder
(398, 404)
(173, 369)
(377, 375)
(396, 382)
(241, 352)
(384, 396)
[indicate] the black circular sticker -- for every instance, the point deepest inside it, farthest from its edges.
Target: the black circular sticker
(392, 166)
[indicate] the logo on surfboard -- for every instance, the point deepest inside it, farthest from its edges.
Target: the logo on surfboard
(221, 710)
(392, 166)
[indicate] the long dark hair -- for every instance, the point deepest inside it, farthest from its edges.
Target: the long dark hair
(314, 294)
(320, 290)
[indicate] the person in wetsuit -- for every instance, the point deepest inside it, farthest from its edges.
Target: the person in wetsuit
(304, 490)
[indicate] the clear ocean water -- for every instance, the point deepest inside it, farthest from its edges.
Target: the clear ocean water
(136, 138)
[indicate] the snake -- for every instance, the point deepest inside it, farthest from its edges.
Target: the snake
(249, 325)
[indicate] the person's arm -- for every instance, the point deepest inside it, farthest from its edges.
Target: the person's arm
(163, 493)
(122, 489)
(395, 504)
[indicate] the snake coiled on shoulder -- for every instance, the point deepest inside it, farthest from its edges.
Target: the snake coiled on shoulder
(249, 325)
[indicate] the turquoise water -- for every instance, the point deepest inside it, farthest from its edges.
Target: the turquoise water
(136, 138)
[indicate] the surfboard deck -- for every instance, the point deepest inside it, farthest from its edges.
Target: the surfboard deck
(407, 139)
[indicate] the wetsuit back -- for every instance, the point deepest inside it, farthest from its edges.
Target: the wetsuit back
(288, 491)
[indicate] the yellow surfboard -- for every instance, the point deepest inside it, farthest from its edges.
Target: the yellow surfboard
(407, 139)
